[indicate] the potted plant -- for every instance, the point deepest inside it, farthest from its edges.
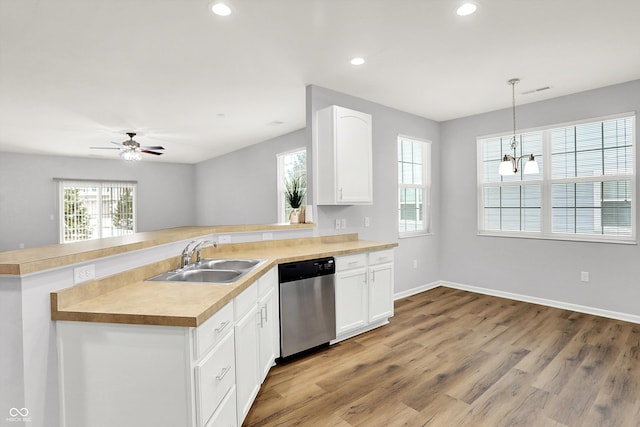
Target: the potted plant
(294, 194)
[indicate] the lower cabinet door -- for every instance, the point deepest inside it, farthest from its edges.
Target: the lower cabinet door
(268, 325)
(380, 292)
(247, 378)
(215, 376)
(225, 415)
(351, 300)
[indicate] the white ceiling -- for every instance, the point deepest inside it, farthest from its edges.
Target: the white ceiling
(80, 73)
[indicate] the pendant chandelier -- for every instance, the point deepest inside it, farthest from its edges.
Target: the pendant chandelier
(509, 164)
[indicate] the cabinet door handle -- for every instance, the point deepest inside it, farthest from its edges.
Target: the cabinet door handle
(222, 373)
(260, 322)
(340, 196)
(373, 275)
(221, 327)
(266, 314)
(352, 263)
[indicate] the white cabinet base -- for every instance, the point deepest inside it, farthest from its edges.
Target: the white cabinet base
(363, 329)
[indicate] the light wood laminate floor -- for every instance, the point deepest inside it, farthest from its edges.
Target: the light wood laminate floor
(455, 358)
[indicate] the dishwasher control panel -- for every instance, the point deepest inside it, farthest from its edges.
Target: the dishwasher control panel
(306, 269)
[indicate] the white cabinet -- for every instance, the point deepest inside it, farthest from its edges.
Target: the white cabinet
(380, 286)
(256, 337)
(247, 382)
(225, 415)
(351, 300)
(344, 164)
(268, 328)
(364, 292)
(215, 376)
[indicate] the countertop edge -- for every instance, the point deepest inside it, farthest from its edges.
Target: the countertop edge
(26, 261)
(72, 314)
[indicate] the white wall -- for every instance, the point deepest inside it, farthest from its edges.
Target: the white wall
(28, 194)
(240, 187)
(545, 269)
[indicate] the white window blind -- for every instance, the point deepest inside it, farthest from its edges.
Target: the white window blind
(413, 186)
(96, 209)
(584, 190)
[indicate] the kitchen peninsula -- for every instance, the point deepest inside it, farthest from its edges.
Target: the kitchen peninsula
(120, 295)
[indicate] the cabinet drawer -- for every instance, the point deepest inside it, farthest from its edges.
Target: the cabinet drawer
(225, 415)
(381, 257)
(213, 329)
(349, 262)
(215, 375)
(245, 301)
(268, 282)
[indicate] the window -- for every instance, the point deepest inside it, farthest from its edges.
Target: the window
(414, 183)
(96, 209)
(292, 164)
(584, 190)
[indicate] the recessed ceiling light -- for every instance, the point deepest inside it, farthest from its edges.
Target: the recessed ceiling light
(466, 9)
(221, 9)
(357, 61)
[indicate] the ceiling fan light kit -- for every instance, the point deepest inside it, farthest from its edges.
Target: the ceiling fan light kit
(131, 150)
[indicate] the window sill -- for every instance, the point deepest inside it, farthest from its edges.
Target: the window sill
(561, 237)
(418, 234)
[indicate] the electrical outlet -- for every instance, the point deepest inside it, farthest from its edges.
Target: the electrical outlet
(367, 221)
(224, 238)
(415, 263)
(337, 224)
(267, 236)
(584, 276)
(343, 223)
(84, 273)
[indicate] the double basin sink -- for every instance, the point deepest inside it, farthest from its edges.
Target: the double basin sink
(214, 270)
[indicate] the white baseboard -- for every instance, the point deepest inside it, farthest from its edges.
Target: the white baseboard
(626, 317)
(417, 290)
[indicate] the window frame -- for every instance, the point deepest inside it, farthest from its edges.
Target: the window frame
(280, 188)
(425, 186)
(546, 181)
(64, 183)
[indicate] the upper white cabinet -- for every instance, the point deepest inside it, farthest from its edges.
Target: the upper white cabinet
(344, 157)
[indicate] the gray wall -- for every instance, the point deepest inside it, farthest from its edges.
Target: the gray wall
(28, 194)
(388, 123)
(540, 268)
(240, 187)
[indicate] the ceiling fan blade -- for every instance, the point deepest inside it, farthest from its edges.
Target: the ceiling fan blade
(151, 152)
(152, 147)
(104, 148)
(117, 143)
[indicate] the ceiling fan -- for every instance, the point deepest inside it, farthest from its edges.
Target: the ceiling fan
(131, 149)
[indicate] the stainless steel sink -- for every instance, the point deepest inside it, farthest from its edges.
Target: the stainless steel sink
(227, 264)
(221, 271)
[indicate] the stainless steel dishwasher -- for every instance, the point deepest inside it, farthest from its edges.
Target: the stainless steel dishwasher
(307, 305)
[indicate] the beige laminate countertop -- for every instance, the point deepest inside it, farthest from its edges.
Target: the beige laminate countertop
(25, 261)
(128, 298)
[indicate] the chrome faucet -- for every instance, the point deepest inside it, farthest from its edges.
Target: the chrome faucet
(187, 254)
(201, 245)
